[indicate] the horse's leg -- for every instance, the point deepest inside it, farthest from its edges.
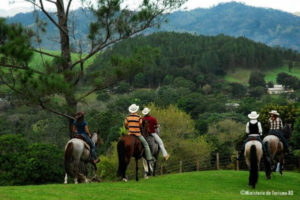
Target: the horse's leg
(76, 171)
(146, 169)
(154, 168)
(124, 168)
(281, 161)
(136, 169)
(66, 179)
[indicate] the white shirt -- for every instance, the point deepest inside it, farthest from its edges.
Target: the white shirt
(253, 122)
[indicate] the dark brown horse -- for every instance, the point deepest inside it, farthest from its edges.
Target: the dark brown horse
(130, 146)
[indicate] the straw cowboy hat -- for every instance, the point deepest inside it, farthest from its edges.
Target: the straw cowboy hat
(253, 115)
(146, 111)
(274, 112)
(133, 108)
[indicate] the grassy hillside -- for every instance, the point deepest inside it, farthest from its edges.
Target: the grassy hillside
(38, 60)
(195, 185)
(242, 75)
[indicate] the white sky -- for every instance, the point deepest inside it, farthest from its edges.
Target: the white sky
(292, 6)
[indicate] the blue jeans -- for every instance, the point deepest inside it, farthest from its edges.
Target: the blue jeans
(92, 145)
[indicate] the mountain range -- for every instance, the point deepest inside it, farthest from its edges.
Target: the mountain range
(269, 26)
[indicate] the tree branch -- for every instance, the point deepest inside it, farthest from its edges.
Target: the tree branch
(51, 1)
(45, 53)
(105, 44)
(51, 19)
(54, 111)
(19, 67)
(68, 8)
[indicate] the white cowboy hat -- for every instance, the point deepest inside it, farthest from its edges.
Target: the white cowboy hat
(274, 112)
(133, 108)
(253, 115)
(146, 111)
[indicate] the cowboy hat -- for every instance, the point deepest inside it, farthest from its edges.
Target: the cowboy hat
(133, 108)
(146, 111)
(274, 112)
(253, 115)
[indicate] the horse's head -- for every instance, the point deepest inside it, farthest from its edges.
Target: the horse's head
(97, 140)
(287, 130)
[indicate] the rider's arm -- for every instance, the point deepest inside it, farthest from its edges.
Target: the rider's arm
(74, 129)
(155, 123)
(259, 128)
(247, 128)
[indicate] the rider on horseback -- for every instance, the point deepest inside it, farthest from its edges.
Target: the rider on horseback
(254, 130)
(275, 128)
(153, 125)
(133, 123)
(80, 127)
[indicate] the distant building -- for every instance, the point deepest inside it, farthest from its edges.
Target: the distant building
(232, 105)
(279, 89)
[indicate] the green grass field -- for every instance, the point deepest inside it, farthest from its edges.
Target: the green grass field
(38, 60)
(242, 75)
(208, 185)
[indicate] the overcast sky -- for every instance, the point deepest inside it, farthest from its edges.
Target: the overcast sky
(292, 6)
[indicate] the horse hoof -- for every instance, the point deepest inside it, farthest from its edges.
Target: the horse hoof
(125, 180)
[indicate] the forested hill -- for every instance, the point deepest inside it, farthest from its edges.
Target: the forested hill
(272, 27)
(191, 56)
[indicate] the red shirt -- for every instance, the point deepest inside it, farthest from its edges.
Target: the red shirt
(152, 123)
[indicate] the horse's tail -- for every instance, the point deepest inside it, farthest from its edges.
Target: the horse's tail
(253, 166)
(121, 156)
(68, 158)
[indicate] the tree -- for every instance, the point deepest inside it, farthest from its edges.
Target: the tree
(288, 80)
(257, 92)
(295, 139)
(257, 79)
(238, 90)
(39, 85)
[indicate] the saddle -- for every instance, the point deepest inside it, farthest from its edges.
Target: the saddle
(86, 145)
(252, 138)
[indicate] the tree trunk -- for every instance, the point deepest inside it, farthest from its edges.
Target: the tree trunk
(64, 36)
(66, 55)
(72, 108)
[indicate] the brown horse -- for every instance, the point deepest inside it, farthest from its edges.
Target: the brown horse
(275, 147)
(130, 146)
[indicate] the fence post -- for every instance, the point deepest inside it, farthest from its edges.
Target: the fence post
(197, 164)
(180, 166)
(217, 161)
(161, 169)
(237, 163)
